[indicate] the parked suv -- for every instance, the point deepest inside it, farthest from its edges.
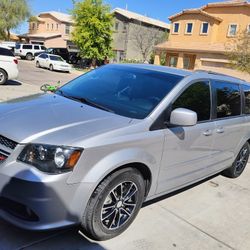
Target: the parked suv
(28, 50)
(8, 65)
(101, 145)
(70, 57)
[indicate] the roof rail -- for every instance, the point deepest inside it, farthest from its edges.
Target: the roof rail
(217, 73)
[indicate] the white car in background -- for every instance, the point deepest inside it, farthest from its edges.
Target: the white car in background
(52, 62)
(8, 65)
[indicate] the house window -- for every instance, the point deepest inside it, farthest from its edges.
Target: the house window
(176, 28)
(52, 26)
(67, 29)
(33, 25)
(186, 62)
(47, 26)
(57, 26)
(204, 28)
(189, 28)
(116, 26)
(232, 30)
(173, 61)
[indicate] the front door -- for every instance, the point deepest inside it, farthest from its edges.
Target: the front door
(187, 150)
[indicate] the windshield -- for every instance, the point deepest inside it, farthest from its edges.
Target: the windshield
(124, 90)
(56, 58)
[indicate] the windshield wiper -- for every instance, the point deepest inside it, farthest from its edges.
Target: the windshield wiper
(93, 104)
(85, 101)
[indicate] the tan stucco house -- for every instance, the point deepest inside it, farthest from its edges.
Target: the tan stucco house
(51, 29)
(199, 38)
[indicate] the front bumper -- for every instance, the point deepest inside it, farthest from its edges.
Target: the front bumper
(60, 68)
(32, 202)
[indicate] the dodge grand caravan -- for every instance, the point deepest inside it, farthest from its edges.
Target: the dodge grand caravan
(92, 152)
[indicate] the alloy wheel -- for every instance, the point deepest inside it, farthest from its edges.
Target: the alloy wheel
(119, 205)
(241, 160)
(1, 77)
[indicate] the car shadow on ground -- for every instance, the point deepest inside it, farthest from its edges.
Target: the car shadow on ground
(12, 83)
(166, 196)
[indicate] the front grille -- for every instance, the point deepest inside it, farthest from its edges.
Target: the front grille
(7, 142)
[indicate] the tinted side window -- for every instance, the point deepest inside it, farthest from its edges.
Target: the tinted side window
(43, 48)
(27, 46)
(246, 90)
(42, 56)
(196, 98)
(36, 47)
(18, 46)
(5, 52)
(228, 99)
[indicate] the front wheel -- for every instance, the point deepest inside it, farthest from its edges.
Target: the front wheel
(239, 164)
(114, 204)
(51, 67)
(37, 64)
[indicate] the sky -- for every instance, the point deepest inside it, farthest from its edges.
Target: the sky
(158, 9)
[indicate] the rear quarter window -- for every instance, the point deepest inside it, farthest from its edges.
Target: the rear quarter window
(6, 52)
(27, 46)
(228, 99)
(246, 90)
(18, 46)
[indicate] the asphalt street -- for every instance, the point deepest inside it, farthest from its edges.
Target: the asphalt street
(30, 74)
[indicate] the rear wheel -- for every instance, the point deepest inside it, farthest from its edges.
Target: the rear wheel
(3, 77)
(51, 67)
(114, 204)
(239, 164)
(29, 57)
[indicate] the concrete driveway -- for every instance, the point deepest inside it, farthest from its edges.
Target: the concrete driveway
(212, 215)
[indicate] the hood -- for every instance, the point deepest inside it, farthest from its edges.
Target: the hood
(53, 119)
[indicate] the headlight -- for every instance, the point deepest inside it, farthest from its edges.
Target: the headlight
(50, 159)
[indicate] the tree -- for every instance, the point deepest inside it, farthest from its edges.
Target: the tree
(93, 29)
(145, 38)
(12, 14)
(239, 52)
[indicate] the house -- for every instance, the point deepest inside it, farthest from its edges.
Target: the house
(51, 29)
(200, 38)
(132, 30)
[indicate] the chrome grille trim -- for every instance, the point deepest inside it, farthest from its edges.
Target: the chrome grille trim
(7, 142)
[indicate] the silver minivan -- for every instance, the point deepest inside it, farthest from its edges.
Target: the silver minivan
(92, 152)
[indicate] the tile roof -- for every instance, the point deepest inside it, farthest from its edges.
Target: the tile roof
(227, 3)
(141, 18)
(192, 46)
(195, 11)
(63, 17)
(41, 35)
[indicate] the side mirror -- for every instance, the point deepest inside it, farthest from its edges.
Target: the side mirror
(183, 117)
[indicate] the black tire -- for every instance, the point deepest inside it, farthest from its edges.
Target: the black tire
(239, 164)
(29, 56)
(119, 212)
(38, 64)
(3, 77)
(51, 67)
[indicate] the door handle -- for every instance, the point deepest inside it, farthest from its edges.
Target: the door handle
(220, 130)
(207, 132)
